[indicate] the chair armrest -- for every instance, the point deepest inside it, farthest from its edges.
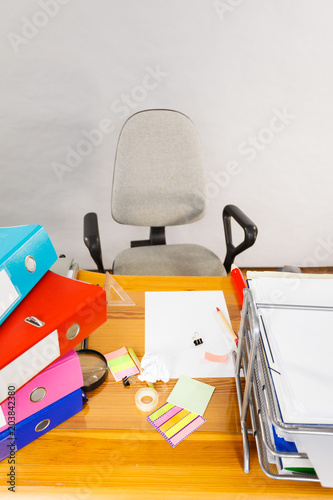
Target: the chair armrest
(250, 233)
(91, 239)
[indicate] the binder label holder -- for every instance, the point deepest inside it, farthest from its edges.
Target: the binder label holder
(8, 292)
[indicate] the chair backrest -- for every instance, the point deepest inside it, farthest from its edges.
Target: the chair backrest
(159, 177)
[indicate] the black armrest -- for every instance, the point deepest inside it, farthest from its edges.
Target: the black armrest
(250, 233)
(91, 239)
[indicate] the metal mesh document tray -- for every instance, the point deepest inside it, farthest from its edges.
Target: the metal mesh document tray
(259, 398)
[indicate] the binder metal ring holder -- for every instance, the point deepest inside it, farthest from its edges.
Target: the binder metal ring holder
(259, 400)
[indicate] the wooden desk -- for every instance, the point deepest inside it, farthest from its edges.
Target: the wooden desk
(110, 451)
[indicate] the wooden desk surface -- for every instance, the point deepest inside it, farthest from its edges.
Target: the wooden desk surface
(109, 450)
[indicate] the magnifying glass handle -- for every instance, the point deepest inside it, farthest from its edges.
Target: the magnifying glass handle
(84, 344)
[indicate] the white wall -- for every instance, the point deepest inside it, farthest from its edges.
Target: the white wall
(233, 66)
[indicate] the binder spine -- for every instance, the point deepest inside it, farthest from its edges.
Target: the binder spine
(28, 430)
(24, 267)
(21, 269)
(29, 364)
(64, 311)
(55, 382)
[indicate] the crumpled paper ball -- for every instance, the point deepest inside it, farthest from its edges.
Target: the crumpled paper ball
(154, 368)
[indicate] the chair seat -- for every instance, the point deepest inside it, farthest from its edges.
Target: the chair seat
(168, 260)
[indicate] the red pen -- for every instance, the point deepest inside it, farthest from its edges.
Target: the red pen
(238, 281)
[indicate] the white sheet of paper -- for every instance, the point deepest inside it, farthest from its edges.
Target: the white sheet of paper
(286, 275)
(297, 291)
(172, 318)
(320, 452)
(302, 343)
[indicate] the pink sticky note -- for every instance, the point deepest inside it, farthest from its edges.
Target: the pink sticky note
(116, 354)
(186, 431)
(129, 372)
(216, 358)
(167, 415)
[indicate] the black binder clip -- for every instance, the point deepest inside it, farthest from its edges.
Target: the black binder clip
(196, 339)
(126, 381)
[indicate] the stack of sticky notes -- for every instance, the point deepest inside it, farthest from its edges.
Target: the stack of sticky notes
(121, 364)
(183, 412)
(174, 423)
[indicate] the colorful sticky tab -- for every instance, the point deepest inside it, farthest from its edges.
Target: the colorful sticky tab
(121, 364)
(175, 423)
(160, 412)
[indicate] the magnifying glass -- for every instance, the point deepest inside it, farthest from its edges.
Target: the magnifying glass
(94, 367)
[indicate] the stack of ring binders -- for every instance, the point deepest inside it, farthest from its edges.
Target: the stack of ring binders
(43, 316)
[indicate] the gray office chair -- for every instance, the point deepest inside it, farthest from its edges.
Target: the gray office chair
(159, 181)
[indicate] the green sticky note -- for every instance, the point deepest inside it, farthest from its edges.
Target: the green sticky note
(160, 411)
(191, 395)
(121, 363)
